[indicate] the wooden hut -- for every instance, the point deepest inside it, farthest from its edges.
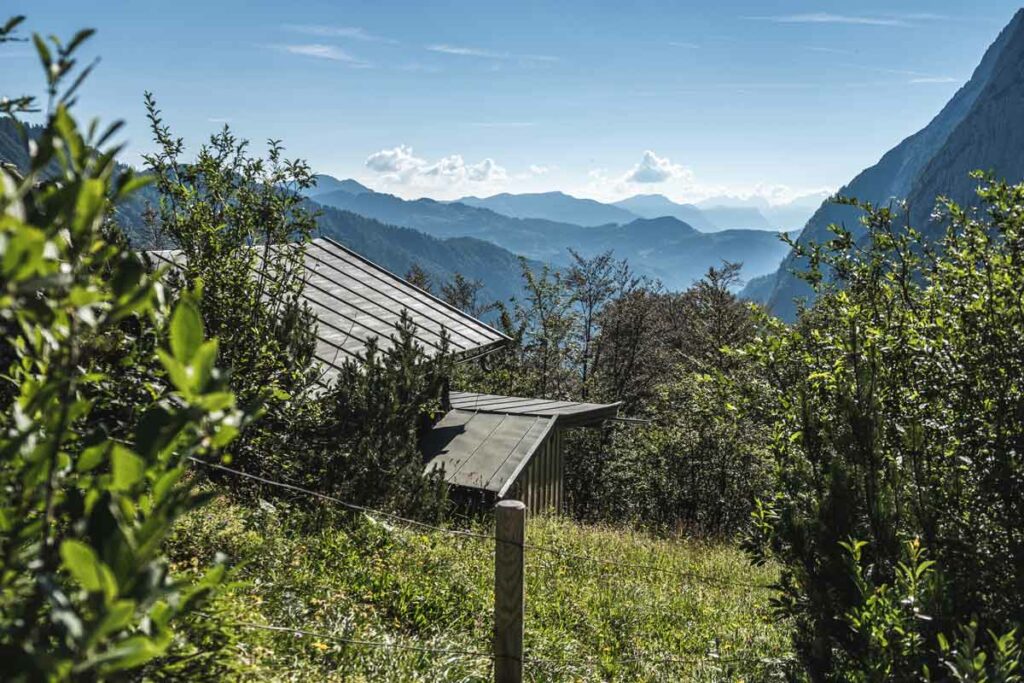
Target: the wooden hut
(488, 447)
(507, 446)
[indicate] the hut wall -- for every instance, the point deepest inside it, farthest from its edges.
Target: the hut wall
(541, 483)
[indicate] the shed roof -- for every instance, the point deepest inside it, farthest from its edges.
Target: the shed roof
(356, 300)
(485, 441)
(484, 450)
(569, 413)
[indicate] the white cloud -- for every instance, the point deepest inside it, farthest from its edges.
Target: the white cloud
(351, 32)
(503, 124)
(655, 169)
(681, 184)
(396, 160)
(830, 18)
(463, 51)
(401, 167)
(320, 51)
(688, 46)
(537, 169)
(934, 79)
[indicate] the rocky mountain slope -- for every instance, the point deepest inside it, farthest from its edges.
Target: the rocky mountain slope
(976, 129)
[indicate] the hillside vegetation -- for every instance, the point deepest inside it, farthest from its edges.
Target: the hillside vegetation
(380, 581)
(185, 496)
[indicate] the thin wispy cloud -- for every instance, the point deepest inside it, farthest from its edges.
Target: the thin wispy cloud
(320, 51)
(218, 119)
(466, 51)
(913, 76)
(934, 79)
(919, 16)
(503, 124)
(350, 32)
(830, 18)
(688, 46)
(482, 53)
(829, 50)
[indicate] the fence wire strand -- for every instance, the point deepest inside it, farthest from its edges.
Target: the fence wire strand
(357, 641)
(338, 501)
(564, 554)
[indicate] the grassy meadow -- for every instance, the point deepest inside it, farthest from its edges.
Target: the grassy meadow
(696, 610)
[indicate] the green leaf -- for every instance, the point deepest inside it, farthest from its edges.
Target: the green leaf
(89, 205)
(127, 467)
(81, 562)
(176, 371)
(92, 457)
(203, 364)
(119, 615)
(186, 330)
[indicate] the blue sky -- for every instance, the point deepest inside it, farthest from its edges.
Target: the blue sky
(601, 99)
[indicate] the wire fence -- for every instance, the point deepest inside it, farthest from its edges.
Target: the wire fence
(704, 656)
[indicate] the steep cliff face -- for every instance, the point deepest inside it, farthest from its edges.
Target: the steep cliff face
(990, 138)
(929, 160)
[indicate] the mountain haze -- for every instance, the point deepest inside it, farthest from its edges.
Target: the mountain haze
(657, 205)
(552, 206)
(665, 247)
(730, 217)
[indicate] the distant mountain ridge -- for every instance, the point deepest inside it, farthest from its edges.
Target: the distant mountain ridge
(658, 205)
(395, 248)
(977, 128)
(553, 206)
(326, 183)
(665, 247)
(732, 217)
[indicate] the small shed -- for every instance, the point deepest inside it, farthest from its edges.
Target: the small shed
(508, 446)
(488, 447)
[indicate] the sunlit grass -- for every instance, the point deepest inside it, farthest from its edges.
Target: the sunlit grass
(378, 582)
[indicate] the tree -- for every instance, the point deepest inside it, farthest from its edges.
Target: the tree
(462, 293)
(90, 486)
(547, 322)
(898, 426)
(419, 278)
(241, 226)
(592, 283)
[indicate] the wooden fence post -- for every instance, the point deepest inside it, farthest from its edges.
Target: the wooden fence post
(509, 603)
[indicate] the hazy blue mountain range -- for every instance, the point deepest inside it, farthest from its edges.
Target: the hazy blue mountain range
(326, 183)
(666, 248)
(978, 128)
(553, 206)
(731, 217)
(658, 205)
(395, 248)
(791, 215)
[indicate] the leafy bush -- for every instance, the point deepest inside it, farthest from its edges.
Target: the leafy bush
(241, 228)
(899, 420)
(91, 485)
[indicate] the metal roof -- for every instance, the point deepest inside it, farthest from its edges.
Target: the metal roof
(485, 441)
(356, 300)
(484, 450)
(569, 413)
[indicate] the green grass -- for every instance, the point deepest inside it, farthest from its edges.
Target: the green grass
(367, 580)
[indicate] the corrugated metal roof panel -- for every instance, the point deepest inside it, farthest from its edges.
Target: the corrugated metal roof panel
(356, 300)
(569, 413)
(484, 450)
